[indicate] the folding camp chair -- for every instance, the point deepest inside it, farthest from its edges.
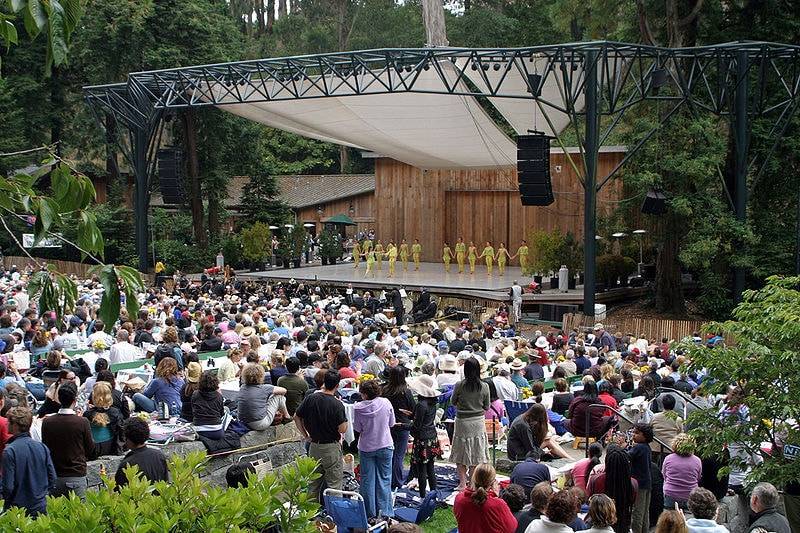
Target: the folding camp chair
(514, 409)
(417, 516)
(347, 511)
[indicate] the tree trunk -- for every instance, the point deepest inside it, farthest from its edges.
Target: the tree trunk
(344, 159)
(294, 7)
(270, 15)
(193, 173)
(260, 16)
(281, 9)
(213, 214)
(433, 17)
(467, 6)
(669, 289)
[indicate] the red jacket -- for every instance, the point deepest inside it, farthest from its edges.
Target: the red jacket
(493, 516)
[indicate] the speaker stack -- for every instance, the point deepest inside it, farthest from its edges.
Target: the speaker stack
(533, 169)
(170, 175)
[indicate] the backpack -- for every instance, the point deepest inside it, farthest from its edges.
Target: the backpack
(168, 350)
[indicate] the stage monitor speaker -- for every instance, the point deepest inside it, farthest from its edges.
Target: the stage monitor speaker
(170, 175)
(655, 203)
(533, 169)
(555, 313)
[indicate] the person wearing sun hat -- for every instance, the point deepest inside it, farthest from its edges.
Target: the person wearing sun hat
(193, 372)
(448, 371)
(426, 448)
(517, 370)
(541, 350)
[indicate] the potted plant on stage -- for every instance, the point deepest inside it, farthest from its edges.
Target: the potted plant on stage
(606, 270)
(283, 252)
(256, 243)
(570, 253)
(330, 246)
(297, 241)
(626, 268)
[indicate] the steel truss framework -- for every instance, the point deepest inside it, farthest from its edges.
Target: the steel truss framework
(738, 81)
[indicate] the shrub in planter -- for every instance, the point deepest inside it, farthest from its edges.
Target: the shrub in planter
(256, 243)
(278, 502)
(330, 245)
(607, 269)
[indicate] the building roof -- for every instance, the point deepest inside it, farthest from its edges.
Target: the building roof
(304, 191)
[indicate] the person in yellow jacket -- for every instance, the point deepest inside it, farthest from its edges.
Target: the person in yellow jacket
(416, 252)
(488, 254)
(522, 253)
(461, 254)
(356, 254)
(379, 251)
(502, 257)
(447, 255)
(366, 246)
(404, 254)
(472, 255)
(391, 253)
(370, 256)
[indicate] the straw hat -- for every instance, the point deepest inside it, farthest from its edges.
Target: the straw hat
(193, 371)
(424, 386)
(248, 331)
(517, 364)
(541, 342)
(448, 363)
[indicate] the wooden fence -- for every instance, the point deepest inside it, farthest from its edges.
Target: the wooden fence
(65, 267)
(651, 328)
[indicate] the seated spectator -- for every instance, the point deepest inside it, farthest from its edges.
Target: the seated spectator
(606, 396)
(540, 495)
(599, 422)
(533, 370)
(514, 496)
(682, 472)
(105, 420)
(602, 514)
(10, 374)
(151, 462)
(277, 369)
(123, 351)
(529, 432)
(99, 365)
(207, 407)
(169, 348)
(562, 397)
(118, 399)
(260, 405)
(529, 473)
(193, 372)
(666, 425)
(164, 388)
(584, 467)
(560, 513)
(616, 380)
(231, 368)
(296, 387)
(671, 522)
(342, 364)
(627, 384)
(28, 470)
(763, 502)
(579, 495)
(478, 509)
(518, 373)
(703, 506)
(211, 339)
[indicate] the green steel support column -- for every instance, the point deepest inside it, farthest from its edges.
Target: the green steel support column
(141, 195)
(742, 140)
(590, 184)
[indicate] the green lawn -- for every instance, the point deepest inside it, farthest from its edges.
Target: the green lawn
(442, 521)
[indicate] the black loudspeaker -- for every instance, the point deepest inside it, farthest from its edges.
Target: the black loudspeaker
(655, 203)
(533, 169)
(170, 175)
(555, 313)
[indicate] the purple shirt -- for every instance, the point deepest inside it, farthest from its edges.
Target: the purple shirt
(372, 419)
(681, 475)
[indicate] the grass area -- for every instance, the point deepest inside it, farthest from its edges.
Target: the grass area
(442, 521)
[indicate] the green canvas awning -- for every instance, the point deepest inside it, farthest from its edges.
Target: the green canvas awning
(340, 219)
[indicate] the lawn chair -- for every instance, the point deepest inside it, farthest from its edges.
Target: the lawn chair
(347, 511)
(514, 409)
(418, 516)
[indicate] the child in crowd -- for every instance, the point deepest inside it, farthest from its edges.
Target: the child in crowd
(641, 458)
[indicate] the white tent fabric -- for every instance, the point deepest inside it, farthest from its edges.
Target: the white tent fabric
(422, 129)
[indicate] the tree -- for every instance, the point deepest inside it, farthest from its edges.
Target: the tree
(256, 243)
(761, 360)
(260, 201)
(433, 16)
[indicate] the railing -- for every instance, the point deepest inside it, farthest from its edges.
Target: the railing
(686, 397)
(619, 413)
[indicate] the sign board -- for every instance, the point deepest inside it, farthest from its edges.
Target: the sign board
(791, 452)
(47, 242)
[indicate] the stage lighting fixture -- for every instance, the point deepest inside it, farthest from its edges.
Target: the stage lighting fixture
(497, 66)
(655, 203)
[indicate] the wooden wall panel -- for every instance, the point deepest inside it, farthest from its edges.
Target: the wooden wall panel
(364, 215)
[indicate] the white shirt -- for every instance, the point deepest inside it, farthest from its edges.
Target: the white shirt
(516, 293)
(506, 389)
(123, 352)
(447, 379)
(102, 335)
(544, 525)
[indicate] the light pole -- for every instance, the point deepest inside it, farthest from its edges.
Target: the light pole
(639, 237)
(618, 242)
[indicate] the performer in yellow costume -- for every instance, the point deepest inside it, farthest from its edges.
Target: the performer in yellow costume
(472, 256)
(366, 246)
(447, 255)
(404, 254)
(370, 261)
(379, 253)
(488, 254)
(522, 252)
(416, 251)
(461, 253)
(391, 253)
(356, 255)
(502, 257)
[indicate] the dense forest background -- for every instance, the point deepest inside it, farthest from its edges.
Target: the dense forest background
(43, 106)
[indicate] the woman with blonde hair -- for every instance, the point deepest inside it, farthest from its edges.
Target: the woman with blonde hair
(682, 471)
(478, 509)
(602, 514)
(105, 420)
(671, 522)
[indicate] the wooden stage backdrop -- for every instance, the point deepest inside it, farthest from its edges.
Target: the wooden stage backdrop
(479, 204)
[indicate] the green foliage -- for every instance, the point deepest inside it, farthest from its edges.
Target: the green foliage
(118, 281)
(330, 243)
(551, 249)
(187, 504)
(256, 242)
(763, 362)
(296, 241)
(54, 291)
(179, 255)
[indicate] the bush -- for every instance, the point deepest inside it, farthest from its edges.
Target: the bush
(330, 243)
(256, 243)
(187, 504)
(606, 268)
(184, 257)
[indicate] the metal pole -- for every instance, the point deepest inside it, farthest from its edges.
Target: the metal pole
(740, 171)
(797, 266)
(140, 205)
(589, 184)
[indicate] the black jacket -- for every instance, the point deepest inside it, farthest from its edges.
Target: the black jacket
(207, 408)
(771, 520)
(211, 344)
(405, 400)
(422, 423)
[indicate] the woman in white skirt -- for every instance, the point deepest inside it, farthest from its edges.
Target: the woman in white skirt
(471, 399)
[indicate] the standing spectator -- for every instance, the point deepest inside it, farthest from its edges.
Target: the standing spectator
(471, 399)
(560, 513)
(640, 470)
(764, 501)
(399, 395)
(372, 418)
(28, 471)
(207, 409)
(69, 438)
(682, 471)
(426, 441)
(105, 420)
(151, 462)
(478, 509)
(703, 506)
(584, 467)
(602, 513)
(666, 425)
(296, 387)
(616, 482)
(321, 419)
(164, 388)
(259, 405)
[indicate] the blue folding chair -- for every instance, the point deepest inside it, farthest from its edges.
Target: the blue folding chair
(514, 409)
(418, 516)
(347, 511)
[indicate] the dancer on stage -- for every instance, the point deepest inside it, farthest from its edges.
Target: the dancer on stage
(370, 256)
(379, 251)
(356, 255)
(391, 253)
(404, 254)
(502, 257)
(522, 252)
(472, 256)
(447, 255)
(488, 253)
(416, 251)
(366, 246)
(461, 253)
